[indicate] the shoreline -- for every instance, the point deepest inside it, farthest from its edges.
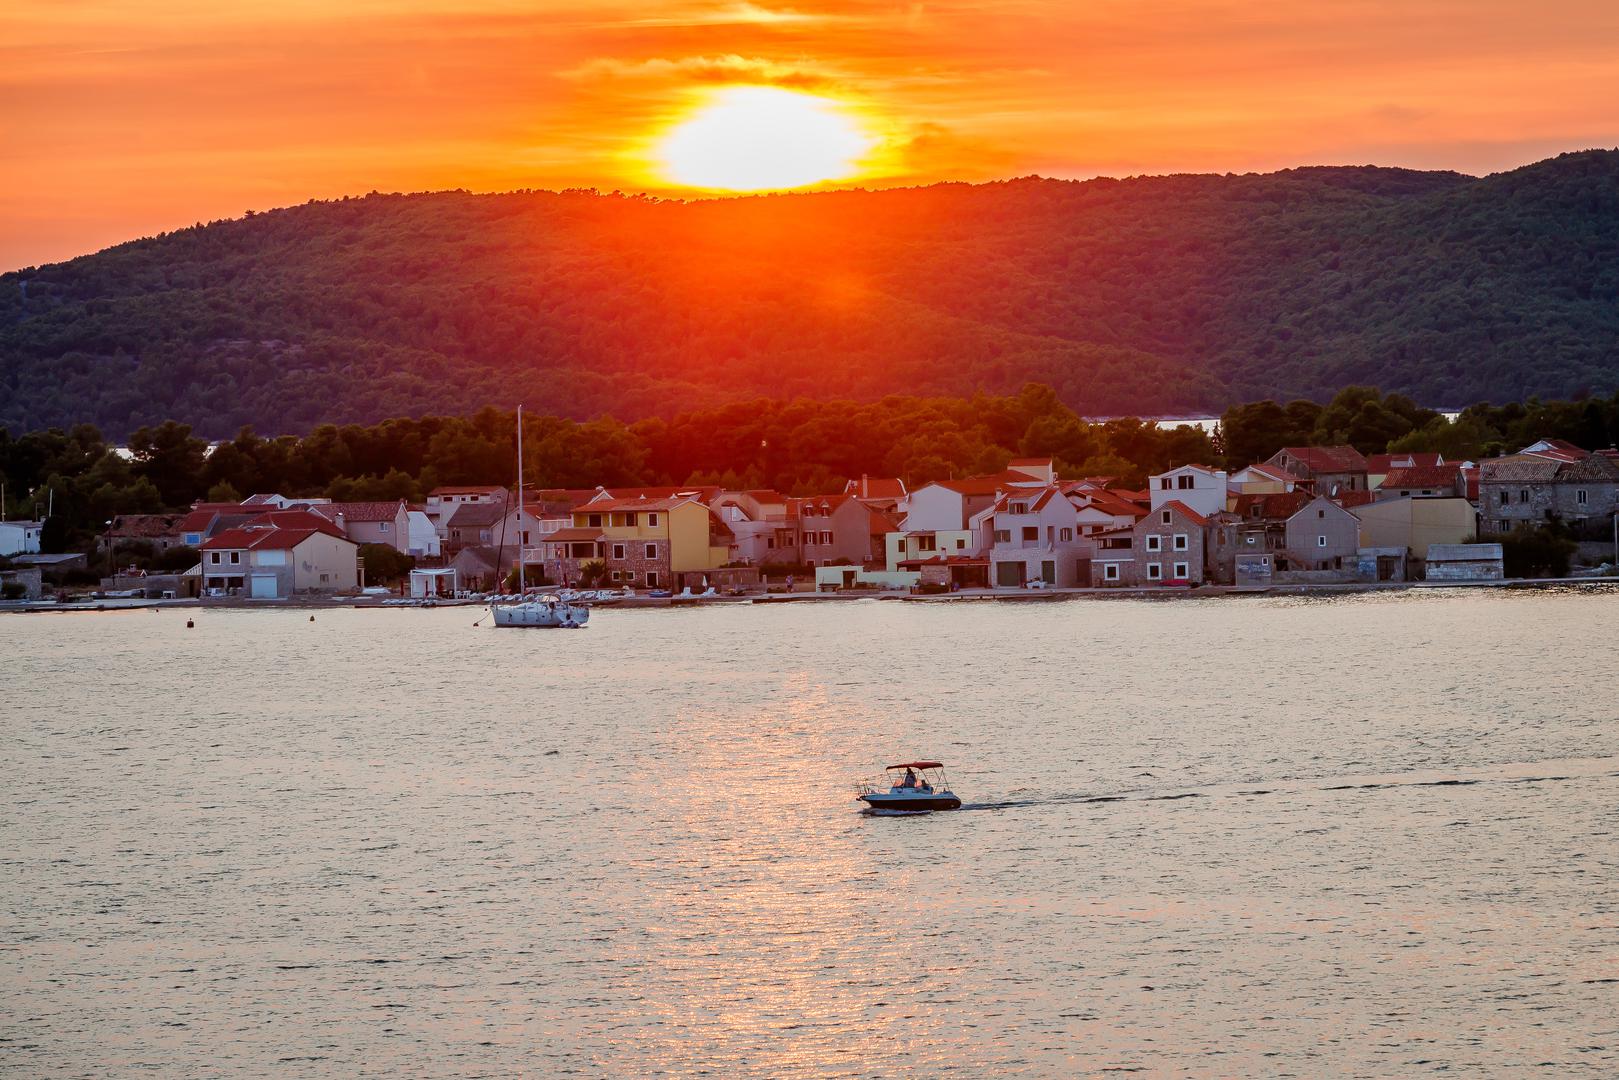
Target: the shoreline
(1156, 592)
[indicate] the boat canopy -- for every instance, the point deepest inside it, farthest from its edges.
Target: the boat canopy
(917, 765)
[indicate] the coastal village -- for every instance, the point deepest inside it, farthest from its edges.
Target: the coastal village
(1308, 516)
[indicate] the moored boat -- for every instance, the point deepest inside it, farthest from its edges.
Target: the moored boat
(542, 612)
(912, 786)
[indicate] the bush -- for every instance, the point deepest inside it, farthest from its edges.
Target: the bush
(384, 563)
(13, 590)
(1537, 552)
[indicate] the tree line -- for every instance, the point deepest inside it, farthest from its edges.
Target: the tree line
(799, 447)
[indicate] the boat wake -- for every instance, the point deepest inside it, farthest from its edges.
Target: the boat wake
(1537, 772)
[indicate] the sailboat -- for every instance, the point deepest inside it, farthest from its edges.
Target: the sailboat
(543, 611)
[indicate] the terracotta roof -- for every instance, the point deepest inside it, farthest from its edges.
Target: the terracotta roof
(1271, 506)
(1422, 476)
(466, 489)
(1109, 502)
(876, 487)
(603, 506)
(1326, 459)
(277, 530)
(1558, 449)
(882, 523)
(568, 536)
(1598, 467)
(359, 511)
(1181, 508)
(1347, 499)
(701, 492)
(197, 521)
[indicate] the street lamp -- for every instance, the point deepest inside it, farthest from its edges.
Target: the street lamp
(112, 568)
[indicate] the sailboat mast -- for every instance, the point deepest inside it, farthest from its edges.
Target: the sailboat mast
(522, 562)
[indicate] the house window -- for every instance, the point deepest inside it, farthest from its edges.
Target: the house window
(1579, 497)
(1504, 497)
(382, 526)
(651, 579)
(192, 539)
(1164, 483)
(652, 521)
(236, 556)
(594, 520)
(826, 538)
(525, 536)
(1030, 532)
(616, 576)
(1180, 542)
(652, 551)
(1183, 482)
(1523, 495)
(1320, 541)
(1182, 572)
(630, 519)
(1165, 517)
(1320, 513)
(618, 551)
(1155, 572)
(1019, 508)
(960, 543)
(1003, 536)
(1155, 542)
(1110, 572)
(926, 543)
(1066, 534)
(1249, 540)
(213, 557)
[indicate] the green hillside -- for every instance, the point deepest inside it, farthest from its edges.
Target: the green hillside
(1154, 295)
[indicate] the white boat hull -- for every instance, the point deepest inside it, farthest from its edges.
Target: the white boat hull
(542, 615)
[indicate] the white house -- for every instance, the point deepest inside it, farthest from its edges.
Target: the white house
(1197, 487)
(423, 538)
(1035, 535)
(20, 537)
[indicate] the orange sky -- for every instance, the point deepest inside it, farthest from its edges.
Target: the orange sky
(121, 120)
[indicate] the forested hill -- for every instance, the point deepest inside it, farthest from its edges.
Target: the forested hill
(1151, 295)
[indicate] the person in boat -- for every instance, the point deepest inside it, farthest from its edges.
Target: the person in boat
(909, 781)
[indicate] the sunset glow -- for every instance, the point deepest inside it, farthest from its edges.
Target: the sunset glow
(757, 138)
(131, 119)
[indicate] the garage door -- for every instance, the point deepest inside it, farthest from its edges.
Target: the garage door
(1009, 575)
(264, 586)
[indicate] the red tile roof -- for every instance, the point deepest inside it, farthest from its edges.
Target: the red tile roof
(603, 506)
(876, 487)
(277, 530)
(1181, 508)
(1326, 459)
(566, 536)
(1422, 476)
(1271, 506)
(195, 522)
(359, 511)
(1347, 499)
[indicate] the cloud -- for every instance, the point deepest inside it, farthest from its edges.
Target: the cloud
(728, 68)
(741, 13)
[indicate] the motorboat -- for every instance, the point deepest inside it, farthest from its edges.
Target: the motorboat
(914, 786)
(546, 611)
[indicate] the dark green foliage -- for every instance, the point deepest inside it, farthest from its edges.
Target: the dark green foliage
(1170, 294)
(1538, 552)
(384, 563)
(13, 590)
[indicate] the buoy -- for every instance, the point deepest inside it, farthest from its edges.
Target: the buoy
(190, 623)
(311, 618)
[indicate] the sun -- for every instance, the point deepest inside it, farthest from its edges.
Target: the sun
(761, 138)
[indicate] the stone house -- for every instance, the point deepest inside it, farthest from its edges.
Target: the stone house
(280, 554)
(383, 522)
(1534, 489)
(656, 543)
(1166, 548)
(763, 525)
(1423, 482)
(1321, 535)
(1330, 470)
(836, 530)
